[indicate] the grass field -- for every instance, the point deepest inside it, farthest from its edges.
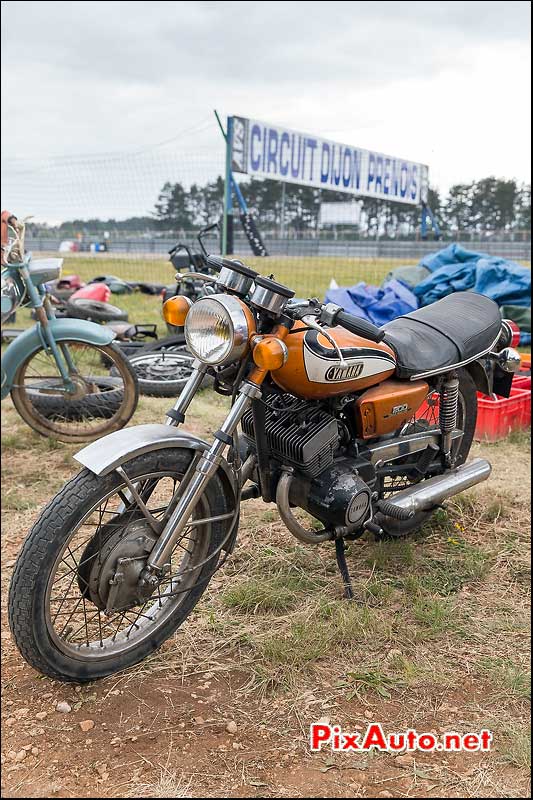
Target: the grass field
(307, 280)
(436, 639)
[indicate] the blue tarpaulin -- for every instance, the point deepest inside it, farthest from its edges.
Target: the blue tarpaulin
(456, 269)
(452, 269)
(377, 304)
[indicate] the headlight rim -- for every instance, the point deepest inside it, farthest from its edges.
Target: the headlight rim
(241, 322)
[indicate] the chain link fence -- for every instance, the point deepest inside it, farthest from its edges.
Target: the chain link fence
(115, 207)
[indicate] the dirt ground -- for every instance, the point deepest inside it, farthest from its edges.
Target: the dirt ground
(437, 639)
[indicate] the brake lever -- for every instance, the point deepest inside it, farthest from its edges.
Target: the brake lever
(311, 322)
(200, 276)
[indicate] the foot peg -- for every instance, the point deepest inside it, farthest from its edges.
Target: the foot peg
(340, 547)
(391, 510)
(374, 528)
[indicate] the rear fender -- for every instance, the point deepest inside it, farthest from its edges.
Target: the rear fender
(481, 375)
(32, 340)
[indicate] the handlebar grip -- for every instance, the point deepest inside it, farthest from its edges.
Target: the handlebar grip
(361, 327)
(215, 261)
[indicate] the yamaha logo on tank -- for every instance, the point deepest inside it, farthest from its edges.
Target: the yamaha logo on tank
(322, 364)
(344, 373)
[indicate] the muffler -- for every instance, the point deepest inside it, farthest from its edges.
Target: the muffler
(428, 494)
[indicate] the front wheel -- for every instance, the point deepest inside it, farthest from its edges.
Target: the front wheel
(97, 403)
(74, 605)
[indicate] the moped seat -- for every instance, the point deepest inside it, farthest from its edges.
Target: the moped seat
(453, 331)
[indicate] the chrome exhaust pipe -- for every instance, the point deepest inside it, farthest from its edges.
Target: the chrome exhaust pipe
(428, 494)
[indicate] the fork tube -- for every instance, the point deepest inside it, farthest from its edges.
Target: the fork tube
(47, 336)
(176, 415)
(205, 469)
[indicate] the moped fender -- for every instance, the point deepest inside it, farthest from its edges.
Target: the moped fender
(115, 449)
(79, 330)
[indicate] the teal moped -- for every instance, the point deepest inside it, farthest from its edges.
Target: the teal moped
(66, 377)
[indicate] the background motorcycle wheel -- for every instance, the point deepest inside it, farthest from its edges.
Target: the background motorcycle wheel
(466, 421)
(95, 310)
(164, 367)
(104, 403)
(56, 613)
(38, 382)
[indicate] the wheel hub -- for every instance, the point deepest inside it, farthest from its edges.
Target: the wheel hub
(162, 367)
(80, 388)
(167, 365)
(118, 559)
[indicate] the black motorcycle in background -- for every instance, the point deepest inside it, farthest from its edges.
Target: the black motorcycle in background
(164, 367)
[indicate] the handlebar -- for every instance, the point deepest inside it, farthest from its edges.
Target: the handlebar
(202, 233)
(361, 327)
(329, 314)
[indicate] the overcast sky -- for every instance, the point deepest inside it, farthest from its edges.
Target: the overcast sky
(444, 83)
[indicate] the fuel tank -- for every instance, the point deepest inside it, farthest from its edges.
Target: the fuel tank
(313, 369)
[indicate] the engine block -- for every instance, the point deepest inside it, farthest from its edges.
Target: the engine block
(299, 434)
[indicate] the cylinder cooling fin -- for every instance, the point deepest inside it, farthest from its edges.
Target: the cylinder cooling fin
(299, 434)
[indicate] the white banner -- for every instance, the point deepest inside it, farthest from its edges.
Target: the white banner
(262, 150)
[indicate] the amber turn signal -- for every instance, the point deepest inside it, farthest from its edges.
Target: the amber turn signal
(270, 353)
(175, 309)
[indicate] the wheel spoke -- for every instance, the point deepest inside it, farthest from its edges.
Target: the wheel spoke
(80, 583)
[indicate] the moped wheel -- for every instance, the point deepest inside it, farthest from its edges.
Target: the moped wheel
(61, 612)
(100, 403)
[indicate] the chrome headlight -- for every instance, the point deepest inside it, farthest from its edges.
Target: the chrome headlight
(217, 329)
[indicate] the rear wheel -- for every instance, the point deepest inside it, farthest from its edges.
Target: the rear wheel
(74, 605)
(429, 420)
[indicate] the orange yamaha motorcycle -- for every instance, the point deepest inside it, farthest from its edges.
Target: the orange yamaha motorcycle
(365, 428)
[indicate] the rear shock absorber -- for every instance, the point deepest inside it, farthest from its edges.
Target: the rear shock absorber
(449, 396)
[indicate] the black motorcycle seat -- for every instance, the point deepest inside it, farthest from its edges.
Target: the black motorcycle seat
(455, 330)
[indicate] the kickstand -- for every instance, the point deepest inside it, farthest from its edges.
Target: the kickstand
(340, 547)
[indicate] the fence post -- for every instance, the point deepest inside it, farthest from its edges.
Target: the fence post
(227, 223)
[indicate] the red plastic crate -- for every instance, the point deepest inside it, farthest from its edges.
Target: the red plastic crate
(522, 381)
(498, 416)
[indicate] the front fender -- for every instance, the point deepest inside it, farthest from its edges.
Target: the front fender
(64, 329)
(115, 449)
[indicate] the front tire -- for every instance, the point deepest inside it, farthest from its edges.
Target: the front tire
(87, 646)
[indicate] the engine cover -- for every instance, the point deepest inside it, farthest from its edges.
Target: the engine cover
(299, 434)
(338, 496)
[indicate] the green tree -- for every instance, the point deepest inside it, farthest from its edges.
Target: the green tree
(522, 209)
(172, 210)
(493, 204)
(458, 207)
